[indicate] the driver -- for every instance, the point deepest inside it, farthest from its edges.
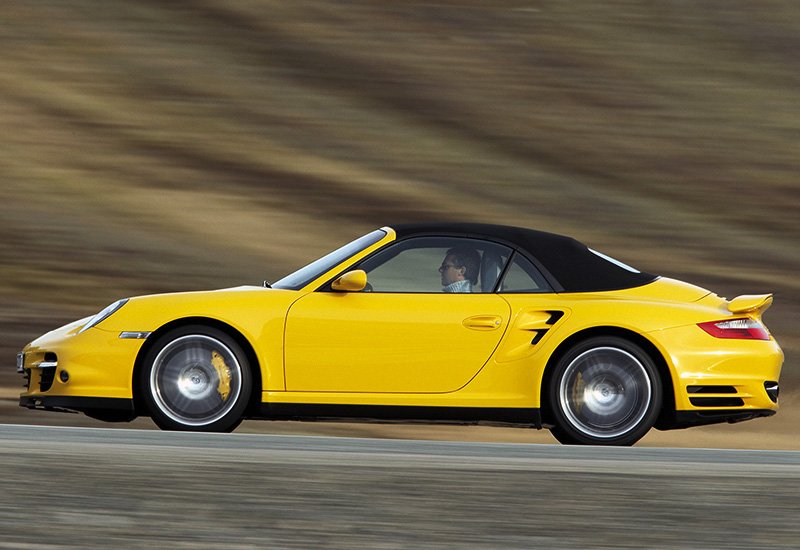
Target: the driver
(459, 270)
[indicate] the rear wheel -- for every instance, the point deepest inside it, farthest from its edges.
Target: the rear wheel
(196, 378)
(604, 391)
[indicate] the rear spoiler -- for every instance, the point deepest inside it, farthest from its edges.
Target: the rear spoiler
(750, 303)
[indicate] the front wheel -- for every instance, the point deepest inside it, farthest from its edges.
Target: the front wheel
(604, 391)
(196, 378)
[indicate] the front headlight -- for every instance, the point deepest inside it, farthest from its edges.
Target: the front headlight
(105, 314)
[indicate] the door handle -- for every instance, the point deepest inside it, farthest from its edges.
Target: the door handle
(483, 322)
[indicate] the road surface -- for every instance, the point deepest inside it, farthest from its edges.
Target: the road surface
(105, 488)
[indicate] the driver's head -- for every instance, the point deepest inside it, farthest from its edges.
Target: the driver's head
(460, 263)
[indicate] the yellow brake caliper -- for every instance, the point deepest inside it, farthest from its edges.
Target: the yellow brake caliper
(224, 372)
(577, 392)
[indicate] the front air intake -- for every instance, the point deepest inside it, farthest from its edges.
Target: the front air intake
(46, 377)
(47, 371)
(773, 390)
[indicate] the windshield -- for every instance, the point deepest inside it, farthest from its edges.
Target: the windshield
(305, 275)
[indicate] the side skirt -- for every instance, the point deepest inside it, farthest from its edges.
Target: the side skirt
(527, 418)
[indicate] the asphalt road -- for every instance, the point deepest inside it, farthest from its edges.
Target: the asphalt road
(101, 488)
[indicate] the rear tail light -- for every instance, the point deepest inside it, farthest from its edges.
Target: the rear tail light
(746, 329)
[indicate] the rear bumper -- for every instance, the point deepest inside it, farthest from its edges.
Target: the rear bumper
(714, 377)
(688, 419)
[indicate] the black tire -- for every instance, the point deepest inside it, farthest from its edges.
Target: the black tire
(604, 391)
(196, 378)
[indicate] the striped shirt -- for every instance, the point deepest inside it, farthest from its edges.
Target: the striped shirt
(459, 286)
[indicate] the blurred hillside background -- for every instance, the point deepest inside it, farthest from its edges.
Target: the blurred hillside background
(152, 146)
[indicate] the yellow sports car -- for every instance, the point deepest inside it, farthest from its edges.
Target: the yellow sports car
(425, 322)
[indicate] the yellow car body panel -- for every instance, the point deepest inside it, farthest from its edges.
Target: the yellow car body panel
(428, 343)
(258, 314)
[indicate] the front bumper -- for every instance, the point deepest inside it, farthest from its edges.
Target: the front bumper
(65, 369)
(62, 403)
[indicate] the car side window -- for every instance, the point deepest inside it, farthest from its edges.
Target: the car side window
(435, 265)
(523, 277)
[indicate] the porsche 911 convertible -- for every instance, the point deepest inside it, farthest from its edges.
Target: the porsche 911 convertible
(462, 323)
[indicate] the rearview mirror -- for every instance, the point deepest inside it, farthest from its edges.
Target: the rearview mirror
(352, 281)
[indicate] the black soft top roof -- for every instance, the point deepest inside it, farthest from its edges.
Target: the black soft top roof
(569, 264)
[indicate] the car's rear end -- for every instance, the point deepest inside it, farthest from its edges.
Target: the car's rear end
(727, 364)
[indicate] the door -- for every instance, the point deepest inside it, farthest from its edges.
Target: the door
(427, 322)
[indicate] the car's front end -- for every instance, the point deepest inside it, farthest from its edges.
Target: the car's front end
(76, 369)
(90, 365)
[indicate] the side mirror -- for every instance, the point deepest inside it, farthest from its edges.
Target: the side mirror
(352, 281)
